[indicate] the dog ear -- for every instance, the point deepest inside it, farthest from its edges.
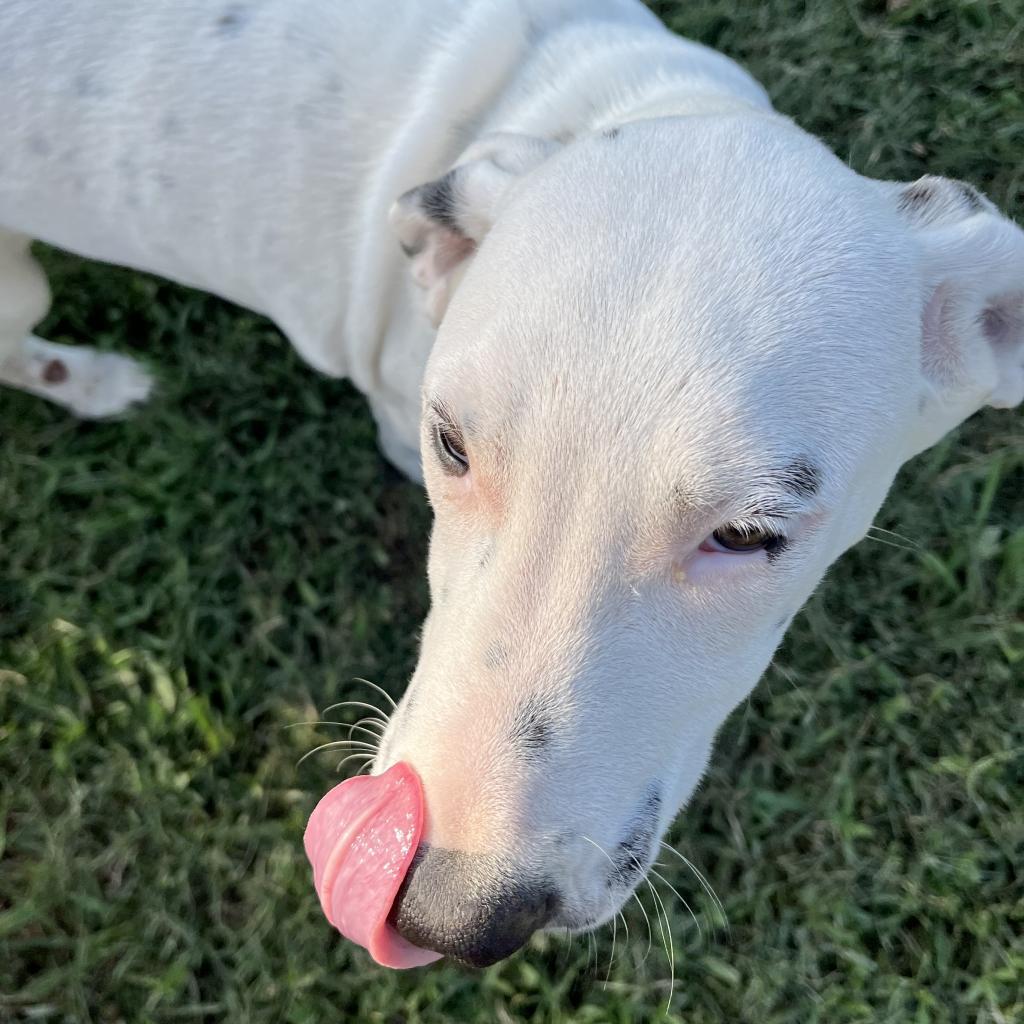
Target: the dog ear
(440, 224)
(972, 323)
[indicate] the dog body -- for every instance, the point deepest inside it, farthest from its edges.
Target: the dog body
(682, 352)
(253, 150)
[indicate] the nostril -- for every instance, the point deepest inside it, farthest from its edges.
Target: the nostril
(473, 908)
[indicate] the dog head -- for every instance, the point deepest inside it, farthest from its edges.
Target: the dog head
(679, 364)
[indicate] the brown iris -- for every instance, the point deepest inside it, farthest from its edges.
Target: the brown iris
(743, 539)
(451, 449)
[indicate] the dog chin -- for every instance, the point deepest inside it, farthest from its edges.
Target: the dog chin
(579, 922)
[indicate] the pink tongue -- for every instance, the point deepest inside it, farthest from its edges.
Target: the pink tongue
(360, 839)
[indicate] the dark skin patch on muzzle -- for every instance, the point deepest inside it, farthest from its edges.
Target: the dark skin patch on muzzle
(629, 858)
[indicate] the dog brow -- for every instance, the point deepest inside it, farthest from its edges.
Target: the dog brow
(787, 491)
(778, 493)
(801, 478)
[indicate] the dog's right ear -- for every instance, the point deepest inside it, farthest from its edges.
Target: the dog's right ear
(972, 320)
(440, 224)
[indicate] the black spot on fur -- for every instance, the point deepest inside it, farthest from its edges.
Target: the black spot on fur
(932, 200)
(969, 196)
(437, 201)
(629, 858)
(55, 372)
(802, 478)
(496, 655)
(916, 196)
(86, 86)
(612, 133)
(485, 557)
(532, 730)
(683, 504)
(232, 21)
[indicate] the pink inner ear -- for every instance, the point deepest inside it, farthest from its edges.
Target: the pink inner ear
(436, 268)
(443, 250)
(1003, 326)
(941, 359)
(1003, 320)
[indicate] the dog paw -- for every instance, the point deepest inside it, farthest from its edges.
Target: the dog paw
(93, 385)
(111, 386)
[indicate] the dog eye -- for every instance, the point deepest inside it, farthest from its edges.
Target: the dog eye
(743, 540)
(451, 449)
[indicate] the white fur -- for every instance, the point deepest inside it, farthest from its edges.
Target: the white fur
(655, 295)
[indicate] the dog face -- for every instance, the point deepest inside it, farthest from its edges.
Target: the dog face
(678, 367)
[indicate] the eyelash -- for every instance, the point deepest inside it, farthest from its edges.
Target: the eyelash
(450, 448)
(757, 524)
(764, 534)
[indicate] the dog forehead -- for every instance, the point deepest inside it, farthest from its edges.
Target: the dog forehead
(690, 285)
(676, 277)
(690, 219)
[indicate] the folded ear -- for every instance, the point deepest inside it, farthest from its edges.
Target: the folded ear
(440, 224)
(972, 323)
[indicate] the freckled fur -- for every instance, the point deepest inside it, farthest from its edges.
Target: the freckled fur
(532, 728)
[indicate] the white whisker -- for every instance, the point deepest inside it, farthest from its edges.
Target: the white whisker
(658, 874)
(899, 536)
(705, 884)
(355, 704)
(643, 909)
(666, 936)
(334, 745)
(611, 958)
(380, 689)
(568, 948)
(313, 724)
(365, 757)
(650, 934)
(356, 727)
(892, 544)
(370, 720)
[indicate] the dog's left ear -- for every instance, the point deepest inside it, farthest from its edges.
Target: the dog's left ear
(440, 224)
(972, 322)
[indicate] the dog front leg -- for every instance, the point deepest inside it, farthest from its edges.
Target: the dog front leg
(91, 384)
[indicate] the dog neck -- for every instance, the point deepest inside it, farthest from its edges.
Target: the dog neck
(613, 65)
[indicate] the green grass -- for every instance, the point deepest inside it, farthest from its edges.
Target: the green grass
(177, 588)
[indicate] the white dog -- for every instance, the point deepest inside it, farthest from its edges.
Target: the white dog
(661, 354)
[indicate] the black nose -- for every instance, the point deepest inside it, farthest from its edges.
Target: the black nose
(469, 907)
